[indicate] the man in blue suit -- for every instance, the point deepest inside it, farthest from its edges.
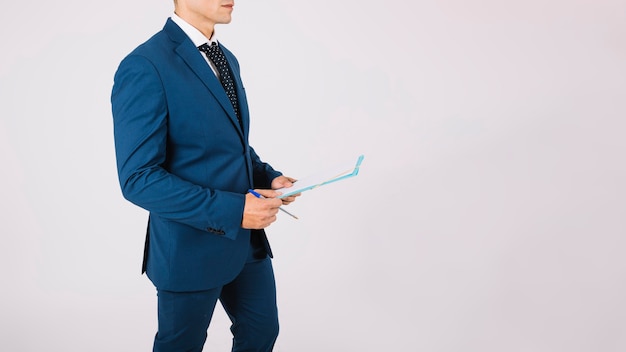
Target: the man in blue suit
(181, 136)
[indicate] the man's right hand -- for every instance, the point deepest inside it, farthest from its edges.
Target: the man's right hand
(259, 213)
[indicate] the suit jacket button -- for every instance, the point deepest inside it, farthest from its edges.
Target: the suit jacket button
(216, 231)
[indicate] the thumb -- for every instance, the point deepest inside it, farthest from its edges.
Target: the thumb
(285, 182)
(268, 193)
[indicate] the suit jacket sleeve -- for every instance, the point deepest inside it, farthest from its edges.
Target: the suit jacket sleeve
(262, 172)
(140, 128)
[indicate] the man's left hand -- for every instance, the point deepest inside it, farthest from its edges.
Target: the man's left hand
(284, 181)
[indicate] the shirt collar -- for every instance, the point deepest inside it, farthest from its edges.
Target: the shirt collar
(194, 34)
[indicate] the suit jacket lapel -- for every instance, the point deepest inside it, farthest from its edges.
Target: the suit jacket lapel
(193, 58)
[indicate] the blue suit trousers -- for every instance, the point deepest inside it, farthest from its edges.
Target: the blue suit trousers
(249, 300)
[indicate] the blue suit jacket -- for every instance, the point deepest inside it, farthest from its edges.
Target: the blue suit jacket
(183, 156)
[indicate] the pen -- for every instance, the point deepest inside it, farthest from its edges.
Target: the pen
(258, 195)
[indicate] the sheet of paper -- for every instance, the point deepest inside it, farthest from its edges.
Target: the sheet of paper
(322, 177)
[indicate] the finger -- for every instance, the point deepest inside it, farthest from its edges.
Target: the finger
(285, 182)
(291, 198)
(288, 200)
(267, 193)
(272, 205)
(269, 221)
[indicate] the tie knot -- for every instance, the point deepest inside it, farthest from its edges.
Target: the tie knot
(206, 47)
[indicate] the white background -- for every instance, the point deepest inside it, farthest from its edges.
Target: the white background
(489, 214)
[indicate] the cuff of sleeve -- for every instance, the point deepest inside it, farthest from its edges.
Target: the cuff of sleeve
(226, 221)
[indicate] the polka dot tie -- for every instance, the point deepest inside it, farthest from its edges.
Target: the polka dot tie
(215, 54)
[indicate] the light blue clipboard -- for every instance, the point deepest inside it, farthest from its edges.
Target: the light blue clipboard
(324, 178)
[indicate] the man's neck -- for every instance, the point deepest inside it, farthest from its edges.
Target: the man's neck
(205, 27)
